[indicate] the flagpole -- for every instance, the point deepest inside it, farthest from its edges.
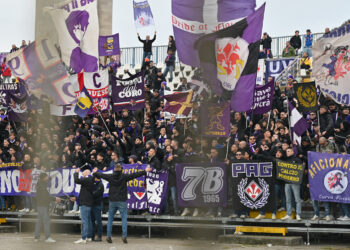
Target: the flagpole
(268, 120)
(99, 113)
(290, 131)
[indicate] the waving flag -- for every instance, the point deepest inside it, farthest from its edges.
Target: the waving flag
(78, 30)
(229, 60)
(85, 102)
(142, 15)
(108, 45)
(194, 18)
(179, 103)
(39, 65)
(14, 97)
(331, 65)
(298, 124)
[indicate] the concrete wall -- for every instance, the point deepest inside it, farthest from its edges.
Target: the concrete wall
(44, 26)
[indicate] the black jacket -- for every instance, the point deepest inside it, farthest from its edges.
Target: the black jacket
(153, 162)
(98, 193)
(117, 183)
(43, 197)
(147, 45)
(87, 187)
(295, 41)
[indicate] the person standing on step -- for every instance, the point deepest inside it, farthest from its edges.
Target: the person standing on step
(43, 199)
(117, 196)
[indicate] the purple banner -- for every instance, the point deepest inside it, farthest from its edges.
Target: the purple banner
(137, 199)
(215, 119)
(263, 98)
(128, 93)
(14, 97)
(142, 14)
(329, 177)
(201, 185)
(157, 184)
(108, 45)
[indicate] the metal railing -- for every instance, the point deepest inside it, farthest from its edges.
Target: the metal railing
(134, 55)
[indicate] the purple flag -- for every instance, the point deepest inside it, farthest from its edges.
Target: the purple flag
(297, 122)
(128, 93)
(157, 184)
(329, 177)
(109, 45)
(39, 65)
(201, 185)
(14, 97)
(2, 56)
(194, 18)
(263, 98)
(179, 103)
(142, 15)
(215, 119)
(229, 60)
(137, 199)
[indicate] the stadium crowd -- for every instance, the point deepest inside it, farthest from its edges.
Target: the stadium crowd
(144, 136)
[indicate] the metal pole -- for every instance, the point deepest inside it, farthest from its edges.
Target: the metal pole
(290, 132)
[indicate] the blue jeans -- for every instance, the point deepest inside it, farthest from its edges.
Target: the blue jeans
(146, 54)
(172, 191)
(292, 189)
(169, 69)
(86, 227)
(2, 202)
(308, 50)
(28, 201)
(43, 217)
(317, 208)
(344, 208)
(279, 193)
(96, 220)
(113, 207)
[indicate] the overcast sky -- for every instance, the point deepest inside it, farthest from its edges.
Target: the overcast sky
(282, 18)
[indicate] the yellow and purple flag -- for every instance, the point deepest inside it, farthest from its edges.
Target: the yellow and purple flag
(179, 103)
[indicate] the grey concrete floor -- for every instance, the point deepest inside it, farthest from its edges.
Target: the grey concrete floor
(23, 241)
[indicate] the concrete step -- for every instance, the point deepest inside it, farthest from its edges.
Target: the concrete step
(8, 229)
(262, 240)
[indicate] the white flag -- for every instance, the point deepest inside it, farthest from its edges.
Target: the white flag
(78, 32)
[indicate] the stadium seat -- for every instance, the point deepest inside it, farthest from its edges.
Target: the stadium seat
(137, 68)
(160, 66)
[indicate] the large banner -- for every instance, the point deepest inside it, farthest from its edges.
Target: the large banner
(142, 15)
(157, 185)
(78, 31)
(137, 199)
(263, 98)
(289, 172)
(109, 45)
(307, 96)
(215, 119)
(40, 66)
(201, 185)
(192, 19)
(331, 66)
(276, 66)
(97, 85)
(252, 186)
(13, 181)
(329, 177)
(128, 93)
